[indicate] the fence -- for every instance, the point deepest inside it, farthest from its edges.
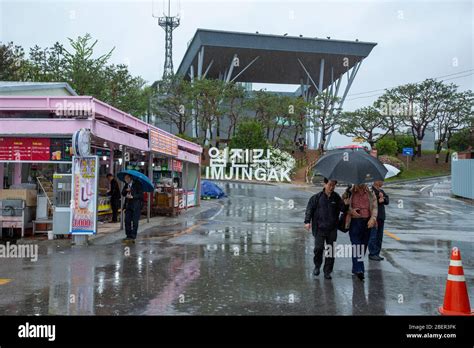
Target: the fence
(462, 176)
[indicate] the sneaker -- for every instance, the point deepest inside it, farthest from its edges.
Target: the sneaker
(316, 271)
(361, 276)
(327, 276)
(375, 258)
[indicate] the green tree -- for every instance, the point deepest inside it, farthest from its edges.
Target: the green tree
(366, 123)
(207, 96)
(323, 113)
(455, 114)
(463, 139)
(234, 105)
(416, 106)
(13, 64)
(174, 102)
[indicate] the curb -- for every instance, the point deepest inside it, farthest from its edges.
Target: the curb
(154, 221)
(416, 180)
(119, 234)
(246, 182)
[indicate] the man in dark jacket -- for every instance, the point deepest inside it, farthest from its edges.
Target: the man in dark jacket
(133, 193)
(322, 215)
(114, 194)
(376, 235)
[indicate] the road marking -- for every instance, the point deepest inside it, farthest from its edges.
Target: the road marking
(220, 210)
(4, 281)
(424, 187)
(438, 208)
(392, 235)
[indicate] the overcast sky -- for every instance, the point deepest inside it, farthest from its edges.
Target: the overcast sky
(415, 39)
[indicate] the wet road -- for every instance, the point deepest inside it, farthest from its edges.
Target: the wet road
(250, 255)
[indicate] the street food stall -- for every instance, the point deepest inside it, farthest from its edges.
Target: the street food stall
(175, 188)
(36, 150)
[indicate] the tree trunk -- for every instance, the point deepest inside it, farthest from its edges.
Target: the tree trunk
(418, 149)
(218, 131)
(448, 153)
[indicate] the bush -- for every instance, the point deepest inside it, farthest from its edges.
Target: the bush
(249, 135)
(393, 161)
(403, 141)
(279, 160)
(387, 146)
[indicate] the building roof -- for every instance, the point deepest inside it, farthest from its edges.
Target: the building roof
(17, 86)
(278, 56)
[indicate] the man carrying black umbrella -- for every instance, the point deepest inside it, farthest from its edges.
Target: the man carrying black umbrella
(322, 215)
(133, 193)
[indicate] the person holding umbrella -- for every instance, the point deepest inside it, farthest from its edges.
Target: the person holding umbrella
(357, 168)
(135, 184)
(362, 218)
(133, 193)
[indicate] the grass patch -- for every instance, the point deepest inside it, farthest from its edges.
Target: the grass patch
(423, 167)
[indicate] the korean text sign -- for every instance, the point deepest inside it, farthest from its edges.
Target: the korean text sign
(84, 195)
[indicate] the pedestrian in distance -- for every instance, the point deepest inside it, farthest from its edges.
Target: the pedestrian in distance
(361, 218)
(376, 235)
(322, 217)
(133, 193)
(114, 194)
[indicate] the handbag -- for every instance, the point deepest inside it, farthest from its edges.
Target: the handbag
(341, 226)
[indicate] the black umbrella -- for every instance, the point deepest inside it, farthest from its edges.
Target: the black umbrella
(355, 167)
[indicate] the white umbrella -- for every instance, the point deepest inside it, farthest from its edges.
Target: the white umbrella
(392, 171)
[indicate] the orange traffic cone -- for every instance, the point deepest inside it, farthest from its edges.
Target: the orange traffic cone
(456, 298)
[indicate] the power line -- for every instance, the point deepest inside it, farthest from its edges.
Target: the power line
(438, 77)
(376, 94)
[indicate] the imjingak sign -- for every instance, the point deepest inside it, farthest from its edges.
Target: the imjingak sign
(244, 165)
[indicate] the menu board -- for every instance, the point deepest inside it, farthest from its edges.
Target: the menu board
(24, 149)
(177, 165)
(163, 143)
(35, 149)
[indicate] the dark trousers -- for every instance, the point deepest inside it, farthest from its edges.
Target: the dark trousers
(359, 234)
(319, 239)
(132, 215)
(375, 240)
(115, 204)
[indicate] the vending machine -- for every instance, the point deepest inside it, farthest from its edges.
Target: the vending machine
(62, 190)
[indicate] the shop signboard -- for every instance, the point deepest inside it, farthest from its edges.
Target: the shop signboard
(188, 157)
(85, 172)
(163, 143)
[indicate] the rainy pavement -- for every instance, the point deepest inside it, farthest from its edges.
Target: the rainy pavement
(249, 254)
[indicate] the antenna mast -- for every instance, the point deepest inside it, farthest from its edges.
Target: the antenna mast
(168, 23)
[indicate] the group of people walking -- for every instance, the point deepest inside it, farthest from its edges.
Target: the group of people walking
(360, 211)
